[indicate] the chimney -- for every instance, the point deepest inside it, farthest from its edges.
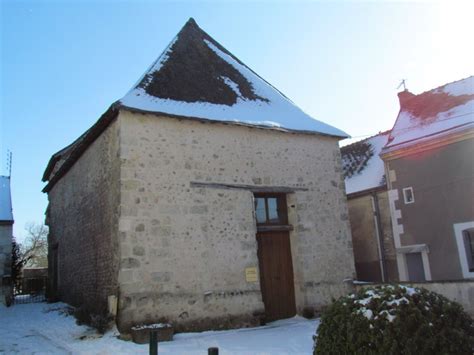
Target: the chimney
(404, 96)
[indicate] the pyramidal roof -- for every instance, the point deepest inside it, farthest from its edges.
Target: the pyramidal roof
(196, 77)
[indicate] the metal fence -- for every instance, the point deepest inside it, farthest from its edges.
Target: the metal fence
(30, 290)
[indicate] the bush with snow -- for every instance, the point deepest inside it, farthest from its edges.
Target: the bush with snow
(395, 320)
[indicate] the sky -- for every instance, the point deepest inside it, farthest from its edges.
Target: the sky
(63, 63)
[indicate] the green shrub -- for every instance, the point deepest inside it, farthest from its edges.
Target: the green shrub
(394, 320)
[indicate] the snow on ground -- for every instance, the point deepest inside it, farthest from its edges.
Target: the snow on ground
(41, 328)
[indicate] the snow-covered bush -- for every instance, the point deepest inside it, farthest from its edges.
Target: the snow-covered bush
(395, 320)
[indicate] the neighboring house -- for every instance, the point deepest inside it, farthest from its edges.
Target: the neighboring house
(203, 197)
(369, 212)
(429, 160)
(6, 237)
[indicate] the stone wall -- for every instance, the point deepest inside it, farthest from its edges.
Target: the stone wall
(184, 250)
(83, 219)
(6, 234)
(366, 237)
(461, 291)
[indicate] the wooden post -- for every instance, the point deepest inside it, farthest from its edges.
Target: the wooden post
(153, 341)
(213, 351)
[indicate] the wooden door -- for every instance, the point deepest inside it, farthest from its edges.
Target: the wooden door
(276, 274)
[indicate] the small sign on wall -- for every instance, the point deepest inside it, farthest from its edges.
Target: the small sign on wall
(251, 274)
(112, 304)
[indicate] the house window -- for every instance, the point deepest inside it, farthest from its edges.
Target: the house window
(270, 209)
(408, 195)
(464, 234)
(468, 237)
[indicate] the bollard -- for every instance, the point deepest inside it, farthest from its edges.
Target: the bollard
(213, 351)
(153, 341)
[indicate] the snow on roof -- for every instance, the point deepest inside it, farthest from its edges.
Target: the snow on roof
(361, 163)
(196, 77)
(434, 113)
(5, 199)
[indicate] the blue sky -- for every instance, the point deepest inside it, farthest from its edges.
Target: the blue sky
(64, 62)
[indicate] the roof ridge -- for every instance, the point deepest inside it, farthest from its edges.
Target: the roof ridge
(423, 112)
(221, 47)
(196, 76)
(442, 86)
(192, 24)
(150, 67)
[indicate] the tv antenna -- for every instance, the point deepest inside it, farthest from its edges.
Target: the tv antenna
(9, 162)
(402, 84)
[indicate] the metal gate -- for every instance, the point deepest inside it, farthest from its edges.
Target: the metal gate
(30, 290)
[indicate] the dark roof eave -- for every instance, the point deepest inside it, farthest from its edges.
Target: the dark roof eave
(52, 162)
(89, 137)
(111, 114)
(57, 156)
(206, 120)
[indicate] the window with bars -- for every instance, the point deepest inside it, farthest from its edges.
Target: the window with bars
(408, 195)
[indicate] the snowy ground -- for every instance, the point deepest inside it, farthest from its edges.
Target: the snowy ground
(41, 328)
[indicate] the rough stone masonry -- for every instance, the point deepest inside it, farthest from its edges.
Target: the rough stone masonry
(127, 222)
